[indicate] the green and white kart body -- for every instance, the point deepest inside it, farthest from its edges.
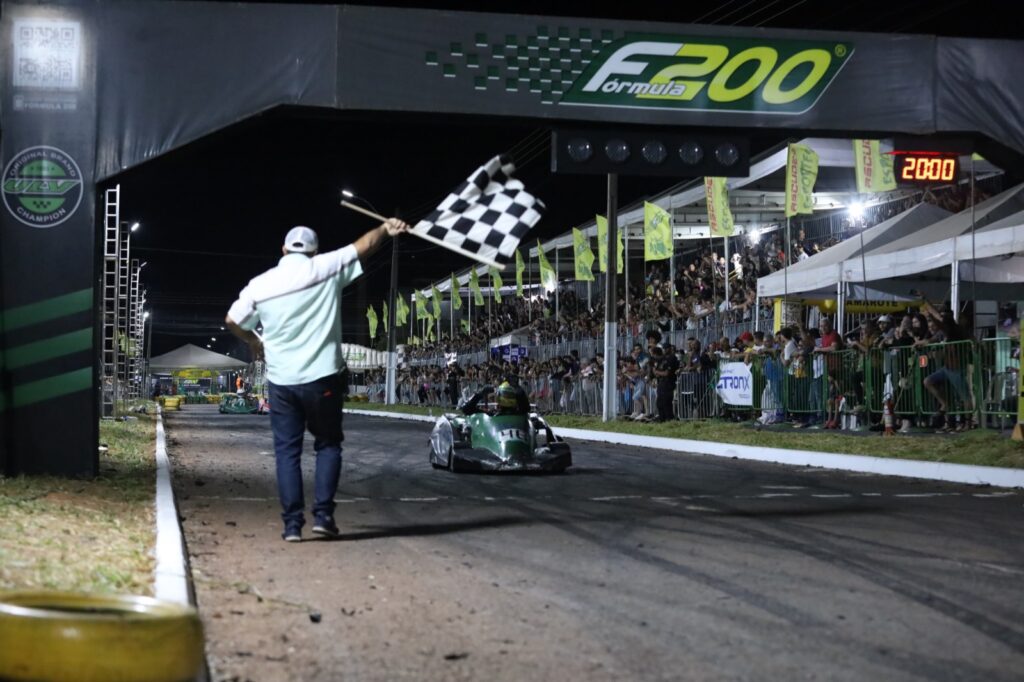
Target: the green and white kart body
(486, 442)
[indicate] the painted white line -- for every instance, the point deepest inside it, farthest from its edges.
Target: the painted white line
(784, 487)
(769, 495)
(871, 494)
(611, 498)
(831, 495)
(923, 494)
(170, 577)
(418, 499)
(1007, 494)
(937, 471)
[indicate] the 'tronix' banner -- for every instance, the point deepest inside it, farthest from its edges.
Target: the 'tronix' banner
(704, 74)
(735, 384)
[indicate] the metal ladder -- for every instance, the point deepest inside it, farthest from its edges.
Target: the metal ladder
(108, 315)
(132, 364)
(259, 379)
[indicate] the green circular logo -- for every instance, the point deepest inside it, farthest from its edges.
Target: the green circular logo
(42, 186)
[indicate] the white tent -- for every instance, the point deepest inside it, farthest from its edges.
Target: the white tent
(360, 357)
(823, 271)
(191, 356)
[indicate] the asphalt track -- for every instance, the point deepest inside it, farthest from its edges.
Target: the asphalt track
(634, 565)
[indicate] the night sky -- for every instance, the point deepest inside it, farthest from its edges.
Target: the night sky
(214, 213)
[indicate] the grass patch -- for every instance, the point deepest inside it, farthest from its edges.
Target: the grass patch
(983, 447)
(85, 535)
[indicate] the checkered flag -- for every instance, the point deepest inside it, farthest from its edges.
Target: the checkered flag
(485, 216)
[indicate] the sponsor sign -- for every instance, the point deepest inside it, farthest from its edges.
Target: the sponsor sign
(735, 384)
(709, 74)
(42, 186)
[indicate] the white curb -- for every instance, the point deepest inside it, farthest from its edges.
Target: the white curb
(935, 471)
(170, 575)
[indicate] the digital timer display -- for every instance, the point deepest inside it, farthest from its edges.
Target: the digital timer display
(927, 168)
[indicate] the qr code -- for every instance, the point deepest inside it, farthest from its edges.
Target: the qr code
(47, 54)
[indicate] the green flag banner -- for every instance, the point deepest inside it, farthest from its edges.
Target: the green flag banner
(520, 267)
(874, 169)
(474, 286)
(421, 307)
(719, 215)
(386, 317)
(657, 232)
(496, 283)
(401, 311)
(437, 301)
(456, 296)
(801, 172)
(584, 256)
(465, 324)
(371, 316)
(548, 278)
(602, 245)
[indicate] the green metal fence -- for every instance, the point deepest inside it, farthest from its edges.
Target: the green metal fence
(997, 386)
(957, 378)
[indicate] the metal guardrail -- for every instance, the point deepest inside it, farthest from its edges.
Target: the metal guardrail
(970, 378)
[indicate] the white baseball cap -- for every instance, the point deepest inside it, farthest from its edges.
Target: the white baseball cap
(301, 239)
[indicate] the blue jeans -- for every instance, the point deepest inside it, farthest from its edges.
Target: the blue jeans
(316, 405)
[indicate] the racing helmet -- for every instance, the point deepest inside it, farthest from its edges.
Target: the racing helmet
(505, 396)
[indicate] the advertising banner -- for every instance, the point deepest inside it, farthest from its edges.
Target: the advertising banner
(49, 393)
(735, 384)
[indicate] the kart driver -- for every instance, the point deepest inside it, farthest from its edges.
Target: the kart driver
(510, 400)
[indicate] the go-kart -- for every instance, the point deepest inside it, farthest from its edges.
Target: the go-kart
(233, 403)
(488, 441)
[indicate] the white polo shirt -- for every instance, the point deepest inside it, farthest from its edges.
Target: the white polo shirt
(299, 304)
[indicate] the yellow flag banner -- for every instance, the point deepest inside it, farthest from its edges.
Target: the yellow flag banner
(401, 311)
(386, 318)
(456, 296)
(520, 267)
(496, 283)
(719, 215)
(874, 169)
(602, 245)
(421, 307)
(657, 232)
(371, 316)
(474, 286)
(465, 324)
(584, 256)
(548, 278)
(801, 172)
(436, 294)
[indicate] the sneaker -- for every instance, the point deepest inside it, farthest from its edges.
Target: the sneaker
(326, 528)
(293, 534)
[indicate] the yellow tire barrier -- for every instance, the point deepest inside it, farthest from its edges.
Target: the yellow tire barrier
(61, 636)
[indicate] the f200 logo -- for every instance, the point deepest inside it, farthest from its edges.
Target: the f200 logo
(710, 74)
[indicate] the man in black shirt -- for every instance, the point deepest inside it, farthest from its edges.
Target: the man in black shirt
(665, 367)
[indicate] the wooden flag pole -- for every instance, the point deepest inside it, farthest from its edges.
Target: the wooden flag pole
(427, 237)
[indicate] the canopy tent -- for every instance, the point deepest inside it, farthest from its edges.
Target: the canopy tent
(820, 273)
(361, 358)
(191, 356)
(918, 254)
